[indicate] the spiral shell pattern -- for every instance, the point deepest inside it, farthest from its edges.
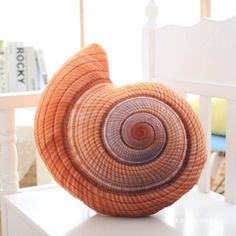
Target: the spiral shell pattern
(124, 151)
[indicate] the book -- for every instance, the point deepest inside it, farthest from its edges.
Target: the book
(16, 75)
(32, 81)
(22, 68)
(3, 81)
(42, 70)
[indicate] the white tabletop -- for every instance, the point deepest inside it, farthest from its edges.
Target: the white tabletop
(55, 212)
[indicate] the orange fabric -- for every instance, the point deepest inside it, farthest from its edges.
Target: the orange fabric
(124, 151)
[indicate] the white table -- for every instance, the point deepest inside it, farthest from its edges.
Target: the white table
(50, 210)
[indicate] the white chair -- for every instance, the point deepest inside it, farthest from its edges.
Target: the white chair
(200, 59)
(197, 60)
(22, 127)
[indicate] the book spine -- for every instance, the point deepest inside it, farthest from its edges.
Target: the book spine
(16, 67)
(11, 75)
(42, 70)
(31, 69)
(3, 81)
(20, 69)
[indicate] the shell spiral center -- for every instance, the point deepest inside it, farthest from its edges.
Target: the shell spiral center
(133, 138)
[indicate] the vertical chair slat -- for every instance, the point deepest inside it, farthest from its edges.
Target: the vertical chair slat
(8, 153)
(149, 41)
(230, 166)
(205, 117)
(148, 54)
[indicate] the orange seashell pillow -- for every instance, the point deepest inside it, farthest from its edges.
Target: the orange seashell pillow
(123, 151)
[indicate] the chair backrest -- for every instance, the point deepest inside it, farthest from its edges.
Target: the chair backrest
(200, 59)
(8, 152)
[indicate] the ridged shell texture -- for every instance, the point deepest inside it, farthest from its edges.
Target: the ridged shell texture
(123, 151)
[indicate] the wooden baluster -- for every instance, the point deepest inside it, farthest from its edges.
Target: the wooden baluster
(205, 117)
(230, 165)
(8, 152)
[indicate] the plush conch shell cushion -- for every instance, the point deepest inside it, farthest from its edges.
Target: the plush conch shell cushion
(123, 151)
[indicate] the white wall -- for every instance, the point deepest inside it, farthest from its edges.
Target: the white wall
(52, 25)
(222, 9)
(117, 24)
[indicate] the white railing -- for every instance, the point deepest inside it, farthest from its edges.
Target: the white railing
(8, 152)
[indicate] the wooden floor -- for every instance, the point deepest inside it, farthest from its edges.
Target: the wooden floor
(30, 178)
(218, 182)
